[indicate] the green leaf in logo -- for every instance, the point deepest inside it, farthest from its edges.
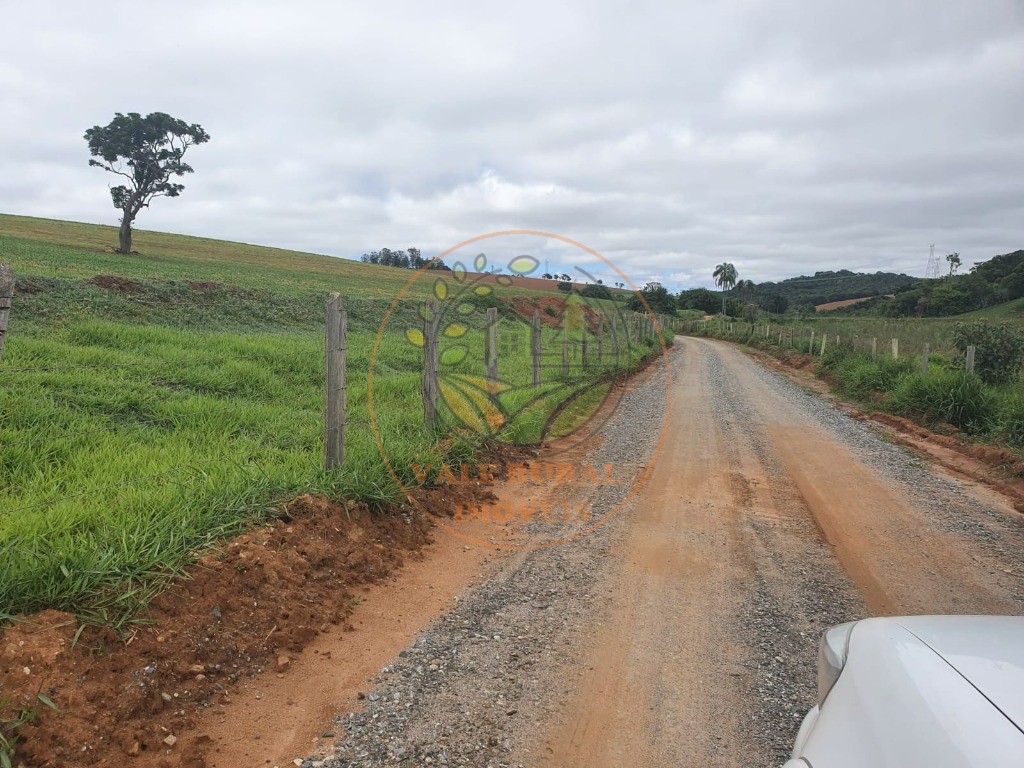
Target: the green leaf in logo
(523, 265)
(441, 288)
(415, 336)
(453, 355)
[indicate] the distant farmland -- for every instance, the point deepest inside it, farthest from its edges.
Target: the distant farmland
(839, 304)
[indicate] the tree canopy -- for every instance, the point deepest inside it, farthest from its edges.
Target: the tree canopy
(725, 278)
(998, 280)
(147, 152)
(411, 259)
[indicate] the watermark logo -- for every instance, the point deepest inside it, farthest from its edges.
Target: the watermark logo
(508, 350)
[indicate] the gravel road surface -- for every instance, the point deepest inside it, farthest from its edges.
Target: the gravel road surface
(683, 632)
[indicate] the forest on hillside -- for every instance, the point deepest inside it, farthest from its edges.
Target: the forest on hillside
(801, 293)
(823, 287)
(988, 283)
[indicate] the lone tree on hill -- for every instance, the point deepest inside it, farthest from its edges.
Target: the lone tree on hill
(954, 263)
(725, 278)
(147, 151)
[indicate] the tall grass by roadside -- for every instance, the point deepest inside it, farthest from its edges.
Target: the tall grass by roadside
(126, 445)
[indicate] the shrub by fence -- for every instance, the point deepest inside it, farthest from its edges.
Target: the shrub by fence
(934, 388)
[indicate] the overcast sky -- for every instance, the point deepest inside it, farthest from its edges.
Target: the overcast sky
(786, 137)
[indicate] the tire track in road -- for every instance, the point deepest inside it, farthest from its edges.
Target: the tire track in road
(767, 518)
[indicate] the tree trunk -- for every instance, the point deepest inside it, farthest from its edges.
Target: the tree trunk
(125, 234)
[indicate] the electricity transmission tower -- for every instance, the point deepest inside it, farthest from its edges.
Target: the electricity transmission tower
(932, 271)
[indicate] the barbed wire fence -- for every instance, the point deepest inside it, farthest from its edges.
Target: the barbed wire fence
(596, 346)
(816, 343)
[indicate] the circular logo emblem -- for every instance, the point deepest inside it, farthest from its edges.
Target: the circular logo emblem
(508, 350)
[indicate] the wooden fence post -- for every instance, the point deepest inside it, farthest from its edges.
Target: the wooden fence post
(600, 341)
(810, 347)
(874, 347)
(6, 294)
(583, 344)
(337, 342)
(970, 359)
(824, 338)
(535, 343)
(565, 340)
(615, 338)
(924, 360)
(491, 345)
(895, 349)
(431, 325)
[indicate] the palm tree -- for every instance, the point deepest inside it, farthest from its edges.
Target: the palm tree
(725, 278)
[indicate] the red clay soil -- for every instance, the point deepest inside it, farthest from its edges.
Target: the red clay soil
(243, 610)
(840, 304)
(551, 310)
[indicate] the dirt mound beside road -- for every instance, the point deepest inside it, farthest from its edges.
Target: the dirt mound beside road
(242, 610)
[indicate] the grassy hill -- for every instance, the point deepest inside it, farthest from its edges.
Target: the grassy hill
(1007, 311)
(152, 404)
(986, 286)
(73, 250)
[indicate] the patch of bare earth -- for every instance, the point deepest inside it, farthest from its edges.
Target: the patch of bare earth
(243, 613)
(114, 283)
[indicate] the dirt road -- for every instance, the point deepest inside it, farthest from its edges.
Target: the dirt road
(684, 632)
(766, 503)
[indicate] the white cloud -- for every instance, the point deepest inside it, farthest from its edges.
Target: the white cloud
(785, 136)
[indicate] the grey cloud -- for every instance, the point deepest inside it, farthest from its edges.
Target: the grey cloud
(785, 136)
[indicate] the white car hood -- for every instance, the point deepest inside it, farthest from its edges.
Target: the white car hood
(901, 703)
(988, 651)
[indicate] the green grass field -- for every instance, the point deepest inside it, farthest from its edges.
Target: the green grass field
(912, 332)
(1009, 311)
(141, 425)
(67, 249)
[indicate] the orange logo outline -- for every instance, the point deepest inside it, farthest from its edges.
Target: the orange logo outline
(637, 485)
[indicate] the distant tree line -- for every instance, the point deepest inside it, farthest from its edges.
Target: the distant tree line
(410, 259)
(828, 286)
(988, 283)
(995, 281)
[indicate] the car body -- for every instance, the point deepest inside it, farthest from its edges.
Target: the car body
(935, 691)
